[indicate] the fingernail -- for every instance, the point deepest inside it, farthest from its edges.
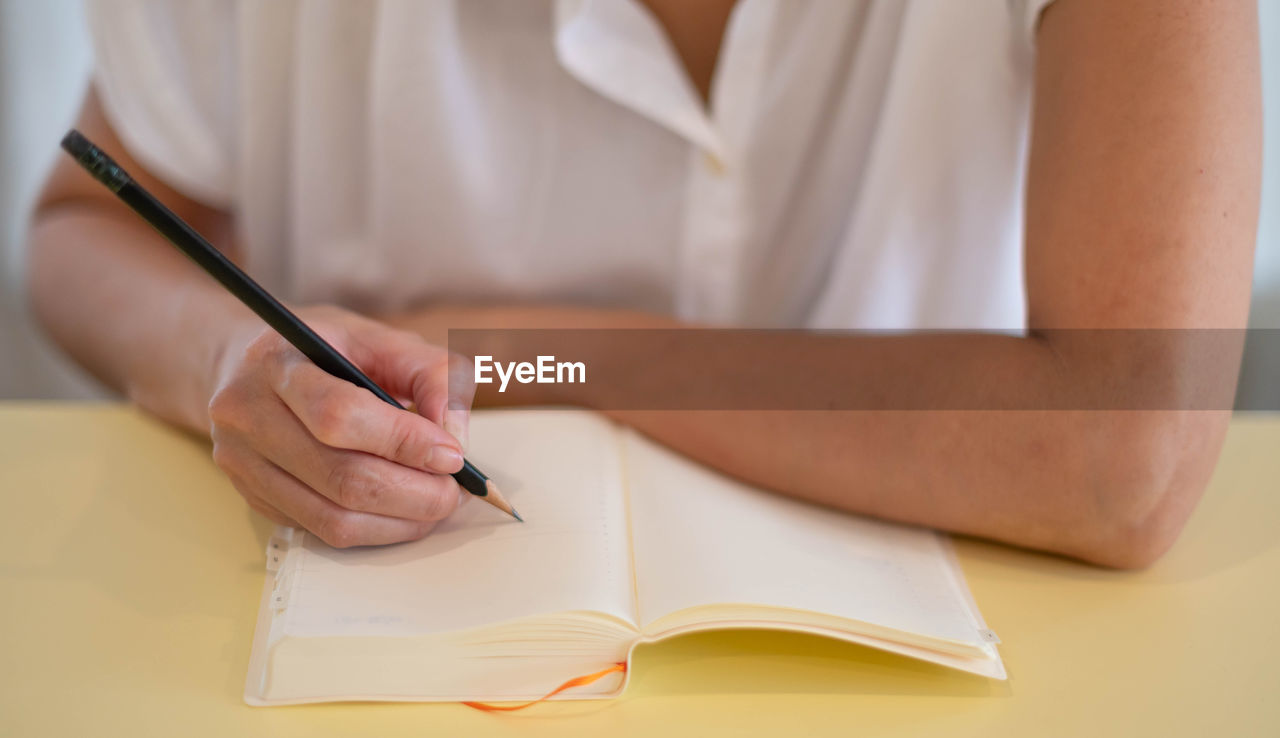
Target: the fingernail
(463, 496)
(444, 459)
(456, 422)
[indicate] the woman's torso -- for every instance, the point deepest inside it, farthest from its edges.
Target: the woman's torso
(859, 164)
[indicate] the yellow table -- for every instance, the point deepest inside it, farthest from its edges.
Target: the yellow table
(130, 573)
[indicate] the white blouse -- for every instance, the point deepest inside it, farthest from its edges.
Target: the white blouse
(860, 164)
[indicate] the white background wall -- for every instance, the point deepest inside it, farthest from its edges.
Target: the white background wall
(44, 61)
(1260, 376)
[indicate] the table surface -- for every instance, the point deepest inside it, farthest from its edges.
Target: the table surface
(131, 571)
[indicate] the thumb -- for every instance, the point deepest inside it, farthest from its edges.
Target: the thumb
(461, 392)
(440, 383)
(446, 398)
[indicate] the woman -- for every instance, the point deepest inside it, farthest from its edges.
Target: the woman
(395, 169)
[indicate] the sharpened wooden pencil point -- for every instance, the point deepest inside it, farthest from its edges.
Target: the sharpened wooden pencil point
(494, 497)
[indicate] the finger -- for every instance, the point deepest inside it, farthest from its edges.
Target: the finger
(333, 524)
(266, 510)
(256, 503)
(246, 490)
(448, 397)
(462, 392)
(451, 400)
(343, 416)
(368, 483)
(440, 383)
(363, 482)
(352, 479)
(402, 364)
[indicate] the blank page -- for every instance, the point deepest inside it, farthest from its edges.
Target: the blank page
(560, 469)
(703, 539)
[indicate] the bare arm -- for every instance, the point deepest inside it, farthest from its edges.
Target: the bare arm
(302, 447)
(1141, 208)
(117, 297)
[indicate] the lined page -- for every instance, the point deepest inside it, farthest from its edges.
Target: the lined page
(561, 470)
(704, 539)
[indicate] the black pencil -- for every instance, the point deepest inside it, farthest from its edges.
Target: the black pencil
(257, 299)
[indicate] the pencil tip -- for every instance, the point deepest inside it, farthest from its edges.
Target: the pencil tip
(494, 497)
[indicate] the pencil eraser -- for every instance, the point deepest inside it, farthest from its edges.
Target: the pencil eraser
(75, 143)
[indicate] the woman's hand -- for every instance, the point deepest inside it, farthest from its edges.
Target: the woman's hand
(307, 449)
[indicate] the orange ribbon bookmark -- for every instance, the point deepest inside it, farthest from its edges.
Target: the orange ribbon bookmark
(581, 681)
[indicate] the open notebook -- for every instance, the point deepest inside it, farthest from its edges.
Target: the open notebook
(626, 542)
